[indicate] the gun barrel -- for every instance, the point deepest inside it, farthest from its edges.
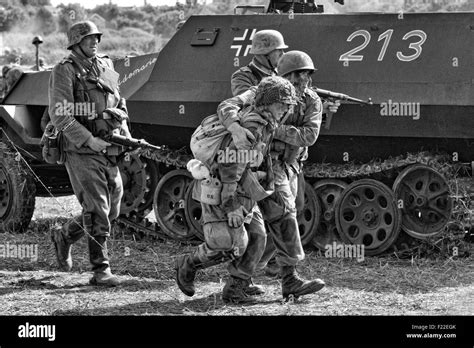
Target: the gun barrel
(341, 96)
(130, 142)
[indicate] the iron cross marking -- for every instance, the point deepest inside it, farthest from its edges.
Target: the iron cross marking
(242, 44)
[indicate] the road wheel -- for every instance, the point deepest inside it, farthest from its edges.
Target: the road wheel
(367, 214)
(328, 191)
(308, 219)
(169, 204)
(17, 192)
(427, 206)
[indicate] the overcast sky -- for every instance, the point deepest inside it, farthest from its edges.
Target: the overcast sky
(94, 3)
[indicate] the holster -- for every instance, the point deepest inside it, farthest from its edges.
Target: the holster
(52, 145)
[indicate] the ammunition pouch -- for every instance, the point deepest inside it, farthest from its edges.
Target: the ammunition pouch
(291, 153)
(285, 152)
(52, 145)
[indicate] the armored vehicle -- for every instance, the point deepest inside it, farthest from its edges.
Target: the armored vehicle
(375, 169)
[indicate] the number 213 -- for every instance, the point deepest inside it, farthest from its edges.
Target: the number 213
(386, 36)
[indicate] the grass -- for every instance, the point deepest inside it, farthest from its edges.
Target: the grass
(383, 285)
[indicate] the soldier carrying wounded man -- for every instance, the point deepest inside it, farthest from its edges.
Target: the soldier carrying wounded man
(234, 229)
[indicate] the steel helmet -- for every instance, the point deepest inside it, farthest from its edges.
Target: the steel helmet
(293, 61)
(80, 30)
(265, 41)
(275, 89)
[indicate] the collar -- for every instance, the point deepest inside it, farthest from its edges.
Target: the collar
(85, 61)
(263, 69)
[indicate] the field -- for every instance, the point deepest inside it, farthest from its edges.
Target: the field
(383, 285)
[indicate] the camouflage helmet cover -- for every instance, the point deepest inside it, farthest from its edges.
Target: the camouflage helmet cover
(80, 30)
(275, 89)
(265, 41)
(294, 61)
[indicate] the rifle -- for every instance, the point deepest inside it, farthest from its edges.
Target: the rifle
(130, 142)
(330, 95)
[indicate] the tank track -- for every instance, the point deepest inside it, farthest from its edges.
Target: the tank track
(388, 168)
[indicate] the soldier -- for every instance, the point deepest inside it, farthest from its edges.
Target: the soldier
(234, 229)
(249, 76)
(267, 48)
(85, 104)
(300, 129)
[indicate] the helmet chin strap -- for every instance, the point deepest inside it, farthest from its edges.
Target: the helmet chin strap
(273, 68)
(84, 53)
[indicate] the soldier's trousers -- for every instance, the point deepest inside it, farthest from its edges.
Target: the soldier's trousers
(243, 245)
(97, 185)
(279, 212)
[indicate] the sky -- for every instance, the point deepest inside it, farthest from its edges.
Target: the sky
(94, 3)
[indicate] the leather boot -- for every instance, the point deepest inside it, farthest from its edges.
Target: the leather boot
(234, 291)
(292, 284)
(252, 289)
(187, 266)
(100, 263)
(63, 238)
(62, 248)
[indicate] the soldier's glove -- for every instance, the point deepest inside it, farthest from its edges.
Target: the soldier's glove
(236, 217)
(242, 137)
(331, 106)
(227, 194)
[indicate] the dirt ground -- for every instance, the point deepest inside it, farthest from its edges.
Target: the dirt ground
(383, 285)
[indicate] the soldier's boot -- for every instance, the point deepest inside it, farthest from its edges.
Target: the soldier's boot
(187, 266)
(252, 289)
(100, 263)
(233, 291)
(63, 238)
(292, 284)
(62, 248)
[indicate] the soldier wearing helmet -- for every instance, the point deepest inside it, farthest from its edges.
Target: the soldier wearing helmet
(267, 48)
(85, 104)
(299, 130)
(234, 229)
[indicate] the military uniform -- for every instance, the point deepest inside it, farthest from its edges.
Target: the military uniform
(248, 76)
(95, 177)
(300, 129)
(245, 244)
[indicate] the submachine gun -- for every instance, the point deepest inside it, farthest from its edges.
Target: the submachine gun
(332, 96)
(131, 143)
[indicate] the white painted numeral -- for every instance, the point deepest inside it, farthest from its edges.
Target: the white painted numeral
(387, 35)
(414, 45)
(349, 56)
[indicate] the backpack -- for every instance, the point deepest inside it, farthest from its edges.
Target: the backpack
(207, 139)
